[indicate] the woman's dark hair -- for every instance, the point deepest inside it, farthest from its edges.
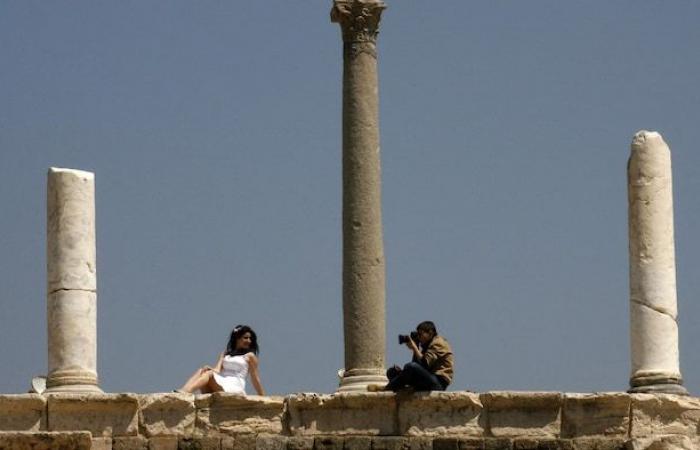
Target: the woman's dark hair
(428, 327)
(237, 332)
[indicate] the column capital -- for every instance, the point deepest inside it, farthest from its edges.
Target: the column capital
(358, 19)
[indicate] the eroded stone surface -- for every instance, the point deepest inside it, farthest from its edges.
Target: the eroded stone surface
(234, 414)
(101, 414)
(167, 414)
(45, 441)
(523, 413)
(26, 412)
(671, 442)
(660, 414)
(436, 413)
(595, 414)
(346, 413)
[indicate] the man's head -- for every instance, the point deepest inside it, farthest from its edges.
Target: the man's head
(426, 332)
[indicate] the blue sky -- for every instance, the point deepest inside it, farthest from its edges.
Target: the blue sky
(213, 129)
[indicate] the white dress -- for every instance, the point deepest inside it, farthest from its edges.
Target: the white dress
(234, 371)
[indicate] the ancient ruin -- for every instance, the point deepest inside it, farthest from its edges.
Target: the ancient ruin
(73, 413)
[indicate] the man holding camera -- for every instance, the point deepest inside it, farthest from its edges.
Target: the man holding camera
(431, 368)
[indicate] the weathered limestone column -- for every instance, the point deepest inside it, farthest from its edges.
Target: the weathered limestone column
(653, 312)
(71, 282)
(363, 247)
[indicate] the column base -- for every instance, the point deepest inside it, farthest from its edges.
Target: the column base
(657, 384)
(72, 381)
(357, 380)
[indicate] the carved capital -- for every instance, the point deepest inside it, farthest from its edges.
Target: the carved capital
(358, 19)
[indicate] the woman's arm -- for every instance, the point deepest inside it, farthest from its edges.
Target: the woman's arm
(219, 363)
(254, 373)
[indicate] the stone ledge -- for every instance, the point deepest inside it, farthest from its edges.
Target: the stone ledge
(24, 412)
(356, 419)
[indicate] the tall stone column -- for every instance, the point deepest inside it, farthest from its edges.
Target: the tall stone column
(653, 311)
(363, 247)
(71, 282)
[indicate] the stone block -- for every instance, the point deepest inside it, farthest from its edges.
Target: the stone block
(26, 440)
(130, 443)
(446, 443)
(421, 443)
(594, 443)
(349, 413)
(101, 443)
(660, 414)
(199, 443)
(525, 414)
(270, 442)
(101, 414)
(306, 443)
(329, 443)
(357, 443)
(535, 444)
(238, 414)
(390, 443)
(25, 412)
(669, 442)
(163, 443)
(605, 414)
(437, 413)
(166, 414)
(498, 444)
(239, 442)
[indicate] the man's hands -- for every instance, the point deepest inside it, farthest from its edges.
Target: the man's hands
(414, 348)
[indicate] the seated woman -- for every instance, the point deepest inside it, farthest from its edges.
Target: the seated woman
(234, 365)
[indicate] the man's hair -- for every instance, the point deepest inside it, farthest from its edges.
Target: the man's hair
(427, 326)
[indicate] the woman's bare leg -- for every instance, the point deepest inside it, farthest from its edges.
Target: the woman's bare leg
(198, 380)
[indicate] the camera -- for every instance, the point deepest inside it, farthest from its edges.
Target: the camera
(403, 338)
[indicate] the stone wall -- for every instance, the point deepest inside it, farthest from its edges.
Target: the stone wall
(352, 421)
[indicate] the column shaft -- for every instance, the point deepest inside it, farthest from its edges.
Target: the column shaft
(653, 311)
(363, 248)
(71, 282)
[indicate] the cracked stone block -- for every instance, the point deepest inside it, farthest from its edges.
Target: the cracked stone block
(238, 414)
(358, 443)
(22, 440)
(349, 413)
(657, 414)
(25, 412)
(271, 442)
(166, 414)
(163, 443)
(594, 443)
(535, 444)
(329, 443)
(672, 442)
(605, 414)
(390, 443)
(199, 443)
(101, 414)
(130, 443)
(536, 414)
(437, 413)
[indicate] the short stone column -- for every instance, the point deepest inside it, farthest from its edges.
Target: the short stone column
(363, 247)
(71, 282)
(653, 311)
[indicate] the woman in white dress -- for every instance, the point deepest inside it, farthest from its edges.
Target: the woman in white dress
(234, 365)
